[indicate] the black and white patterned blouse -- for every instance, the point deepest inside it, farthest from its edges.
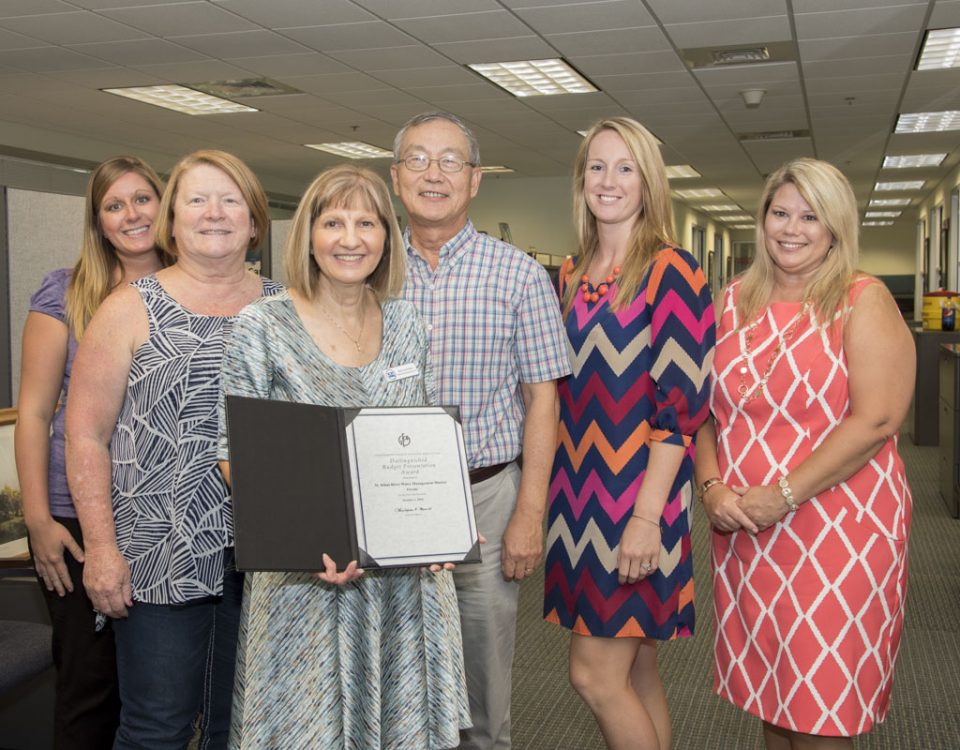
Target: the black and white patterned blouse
(170, 503)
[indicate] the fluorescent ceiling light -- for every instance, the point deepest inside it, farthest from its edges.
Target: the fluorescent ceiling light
(496, 169)
(882, 214)
(941, 49)
(352, 150)
(720, 207)
(743, 226)
(700, 193)
(681, 171)
(734, 217)
(535, 77)
(181, 99)
(913, 160)
(890, 202)
(928, 122)
(905, 185)
(877, 224)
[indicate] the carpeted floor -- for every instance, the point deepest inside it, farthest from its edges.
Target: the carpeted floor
(547, 714)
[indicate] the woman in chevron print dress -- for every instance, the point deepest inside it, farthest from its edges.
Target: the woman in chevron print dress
(355, 660)
(640, 324)
(800, 474)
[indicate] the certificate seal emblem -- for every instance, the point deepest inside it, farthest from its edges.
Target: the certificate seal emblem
(403, 440)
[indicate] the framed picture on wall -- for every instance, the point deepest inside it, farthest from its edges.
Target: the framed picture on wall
(13, 530)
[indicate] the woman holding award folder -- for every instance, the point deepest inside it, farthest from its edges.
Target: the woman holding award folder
(344, 660)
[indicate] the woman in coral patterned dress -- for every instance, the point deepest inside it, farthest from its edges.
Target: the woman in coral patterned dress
(639, 318)
(800, 475)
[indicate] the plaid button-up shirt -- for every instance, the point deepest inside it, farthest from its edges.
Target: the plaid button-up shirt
(493, 321)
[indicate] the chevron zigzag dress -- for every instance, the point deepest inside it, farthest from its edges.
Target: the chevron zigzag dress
(639, 375)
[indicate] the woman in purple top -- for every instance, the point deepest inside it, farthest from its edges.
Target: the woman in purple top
(119, 246)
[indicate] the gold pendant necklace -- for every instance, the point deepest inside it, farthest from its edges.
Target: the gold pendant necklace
(336, 323)
(746, 394)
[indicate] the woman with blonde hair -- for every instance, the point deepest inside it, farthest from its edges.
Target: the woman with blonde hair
(348, 659)
(118, 246)
(639, 319)
(141, 448)
(800, 476)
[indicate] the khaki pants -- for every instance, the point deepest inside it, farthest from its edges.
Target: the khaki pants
(488, 618)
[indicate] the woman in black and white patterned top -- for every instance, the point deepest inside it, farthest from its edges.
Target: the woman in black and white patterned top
(141, 453)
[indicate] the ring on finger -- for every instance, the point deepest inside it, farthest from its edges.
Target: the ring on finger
(645, 566)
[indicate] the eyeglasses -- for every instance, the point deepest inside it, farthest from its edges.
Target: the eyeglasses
(422, 162)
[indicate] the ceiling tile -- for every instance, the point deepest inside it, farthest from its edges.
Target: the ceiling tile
(260, 43)
(390, 58)
(599, 16)
(641, 81)
(842, 48)
(325, 85)
(394, 9)
(178, 20)
(281, 14)
(439, 75)
(477, 90)
(859, 66)
(145, 52)
(857, 22)
(672, 12)
(755, 75)
(10, 41)
(497, 24)
(366, 35)
(49, 58)
(14, 8)
(725, 33)
(81, 27)
(945, 13)
(648, 62)
(647, 39)
(816, 6)
(196, 71)
(286, 66)
(497, 50)
(851, 85)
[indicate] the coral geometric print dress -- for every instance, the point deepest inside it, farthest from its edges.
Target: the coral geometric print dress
(639, 375)
(808, 612)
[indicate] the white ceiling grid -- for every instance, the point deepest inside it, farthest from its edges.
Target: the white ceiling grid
(365, 66)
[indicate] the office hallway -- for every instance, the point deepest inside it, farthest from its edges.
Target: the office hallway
(925, 714)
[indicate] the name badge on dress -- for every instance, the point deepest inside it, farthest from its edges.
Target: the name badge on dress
(401, 372)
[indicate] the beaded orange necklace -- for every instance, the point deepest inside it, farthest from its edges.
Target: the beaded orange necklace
(602, 288)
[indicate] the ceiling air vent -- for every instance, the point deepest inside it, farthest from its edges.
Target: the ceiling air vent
(243, 88)
(740, 56)
(774, 135)
(700, 58)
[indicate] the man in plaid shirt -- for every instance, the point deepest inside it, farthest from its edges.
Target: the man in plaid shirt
(497, 347)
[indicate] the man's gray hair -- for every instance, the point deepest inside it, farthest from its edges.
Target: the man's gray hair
(422, 119)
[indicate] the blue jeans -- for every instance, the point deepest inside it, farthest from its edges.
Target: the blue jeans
(176, 663)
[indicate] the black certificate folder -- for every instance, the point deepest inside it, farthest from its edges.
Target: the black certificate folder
(388, 487)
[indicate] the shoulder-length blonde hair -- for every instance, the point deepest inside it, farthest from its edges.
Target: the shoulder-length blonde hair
(654, 225)
(234, 168)
(344, 186)
(831, 197)
(94, 273)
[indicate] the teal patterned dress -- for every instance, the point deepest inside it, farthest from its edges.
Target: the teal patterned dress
(377, 663)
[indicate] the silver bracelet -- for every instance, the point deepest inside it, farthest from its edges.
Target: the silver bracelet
(787, 494)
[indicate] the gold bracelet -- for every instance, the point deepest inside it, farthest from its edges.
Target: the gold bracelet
(652, 523)
(708, 484)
